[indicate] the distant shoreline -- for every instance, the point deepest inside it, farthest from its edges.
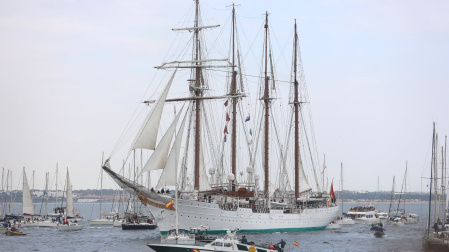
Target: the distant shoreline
(352, 202)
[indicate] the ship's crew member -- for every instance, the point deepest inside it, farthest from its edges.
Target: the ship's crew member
(244, 240)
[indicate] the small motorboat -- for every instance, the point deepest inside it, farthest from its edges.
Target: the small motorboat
(10, 232)
(379, 234)
(377, 227)
(201, 235)
(180, 236)
(333, 225)
(138, 226)
(226, 243)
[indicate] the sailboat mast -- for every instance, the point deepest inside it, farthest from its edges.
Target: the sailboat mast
(46, 193)
(341, 175)
(198, 93)
(431, 178)
(435, 167)
(405, 182)
(56, 204)
(3, 202)
(267, 110)
(296, 106)
(234, 105)
(444, 181)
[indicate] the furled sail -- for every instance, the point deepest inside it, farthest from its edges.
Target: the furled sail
(27, 206)
(159, 157)
(143, 193)
(69, 208)
(168, 176)
(147, 136)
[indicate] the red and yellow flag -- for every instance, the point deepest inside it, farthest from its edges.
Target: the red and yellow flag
(170, 203)
(331, 193)
(194, 250)
(296, 244)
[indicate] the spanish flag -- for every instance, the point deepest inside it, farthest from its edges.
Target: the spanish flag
(170, 203)
(296, 244)
(331, 193)
(194, 250)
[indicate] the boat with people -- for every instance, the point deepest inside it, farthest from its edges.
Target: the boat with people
(11, 232)
(436, 237)
(70, 226)
(226, 195)
(363, 214)
(333, 225)
(378, 228)
(344, 219)
(399, 216)
(201, 234)
(30, 219)
(179, 236)
(69, 223)
(229, 242)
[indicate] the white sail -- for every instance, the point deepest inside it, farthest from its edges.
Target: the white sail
(69, 208)
(302, 180)
(204, 181)
(158, 159)
(168, 176)
(147, 136)
(27, 202)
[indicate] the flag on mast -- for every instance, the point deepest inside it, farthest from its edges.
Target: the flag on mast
(331, 193)
(170, 203)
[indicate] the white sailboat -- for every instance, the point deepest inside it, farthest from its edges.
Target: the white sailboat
(109, 220)
(27, 204)
(69, 223)
(344, 219)
(400, 215)
(47, 221)
(236, 203)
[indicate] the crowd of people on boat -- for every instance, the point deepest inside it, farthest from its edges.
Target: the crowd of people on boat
(362, 209)
(278, 246)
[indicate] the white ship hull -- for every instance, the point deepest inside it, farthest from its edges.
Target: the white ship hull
(118, 223)
(48, 224)
(70, 227)
(345, 221)
(30, 224)
(101, 222)
(194, 213)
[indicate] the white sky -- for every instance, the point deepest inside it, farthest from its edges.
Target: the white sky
(72, 73)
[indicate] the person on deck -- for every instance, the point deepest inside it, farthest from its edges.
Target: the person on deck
(244, 240)
(282, 244)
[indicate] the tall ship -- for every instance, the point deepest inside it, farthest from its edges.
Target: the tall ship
(229, 170)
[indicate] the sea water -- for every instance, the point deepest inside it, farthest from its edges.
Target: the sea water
(356, 237)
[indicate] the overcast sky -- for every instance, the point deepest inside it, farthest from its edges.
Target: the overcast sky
(72, 73)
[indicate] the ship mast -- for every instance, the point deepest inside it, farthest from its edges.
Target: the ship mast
(234, 105)
(267, 110)
(296, 108)
(197, 93)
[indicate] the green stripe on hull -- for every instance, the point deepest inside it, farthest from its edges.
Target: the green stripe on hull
(272, 230)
